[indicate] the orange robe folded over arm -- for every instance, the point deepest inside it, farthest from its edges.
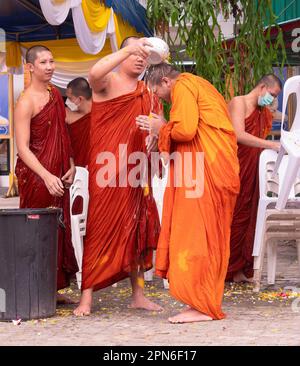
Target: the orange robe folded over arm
(193, 248)
(123, 223)
(50, 143)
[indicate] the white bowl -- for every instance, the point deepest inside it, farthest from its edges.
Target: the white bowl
(159, 52)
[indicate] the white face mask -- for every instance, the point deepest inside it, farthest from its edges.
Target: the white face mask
(72, 106)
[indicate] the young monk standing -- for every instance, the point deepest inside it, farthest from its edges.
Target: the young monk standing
(123, 223)
(193, 248)
(252, 121)
(45, 166)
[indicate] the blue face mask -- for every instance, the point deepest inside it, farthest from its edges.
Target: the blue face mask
(267, 99)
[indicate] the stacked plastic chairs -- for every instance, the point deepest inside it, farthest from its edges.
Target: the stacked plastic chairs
(271, 224)
(290, 142)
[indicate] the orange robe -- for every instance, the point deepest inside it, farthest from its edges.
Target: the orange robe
(193, 248)
(80, 139)
(50, 143)
(123, 223)
(79, 132)
(243, 225)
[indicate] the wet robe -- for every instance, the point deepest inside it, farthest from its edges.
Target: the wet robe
(79, 132)
(243, 225)
(193, 248)
(123, 223)
(50, 143)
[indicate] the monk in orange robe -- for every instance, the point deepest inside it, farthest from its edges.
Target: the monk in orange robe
(78, 115)
(123, 223)
(252, 121)
(193, 248)
(45, 167)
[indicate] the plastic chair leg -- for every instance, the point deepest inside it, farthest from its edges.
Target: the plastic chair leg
(278, 161)
(289, 179)
(272, 259)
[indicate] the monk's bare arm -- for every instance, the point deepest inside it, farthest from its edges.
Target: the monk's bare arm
(237, 111)
(22, 118)
(100, 73)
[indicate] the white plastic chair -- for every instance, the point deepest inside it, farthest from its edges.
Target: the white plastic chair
(271, 224)
(290, 142)
(79, 188)
(158, 187)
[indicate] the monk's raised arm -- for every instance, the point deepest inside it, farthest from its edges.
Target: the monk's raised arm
(100, 73)
(22, 119)
(237, 111)
(184, 114)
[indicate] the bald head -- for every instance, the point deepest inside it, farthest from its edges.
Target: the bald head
(80, 87)
(127, 40)
(32, 53)
(270, 80)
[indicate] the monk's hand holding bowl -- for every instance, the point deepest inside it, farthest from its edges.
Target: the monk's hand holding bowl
(151, 124)
(140, 48)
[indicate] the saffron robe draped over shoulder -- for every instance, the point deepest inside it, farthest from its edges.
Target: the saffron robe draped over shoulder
(257, 124)
(123, 223)
(50, 143)
(193, 248)
(80, 139)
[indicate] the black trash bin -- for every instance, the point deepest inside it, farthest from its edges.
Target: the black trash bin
(28, 263)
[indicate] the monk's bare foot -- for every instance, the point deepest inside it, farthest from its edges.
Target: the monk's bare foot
(85, 306)
(143, 303)
(189, 316)
(64, 300)
(83, 310)
(240, 277)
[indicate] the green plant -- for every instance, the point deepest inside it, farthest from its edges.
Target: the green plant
(252, 53)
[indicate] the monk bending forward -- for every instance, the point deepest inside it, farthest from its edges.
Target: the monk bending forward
(123, 223)
(193, 248)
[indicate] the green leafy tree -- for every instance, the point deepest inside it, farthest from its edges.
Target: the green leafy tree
(234, 65)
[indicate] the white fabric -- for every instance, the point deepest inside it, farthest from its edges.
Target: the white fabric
(56, 13)
(92, 42)
(89, 42)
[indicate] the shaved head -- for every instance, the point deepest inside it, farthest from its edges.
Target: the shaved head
(31, 53)
(80, 87)
(270, 80)
(126, 41)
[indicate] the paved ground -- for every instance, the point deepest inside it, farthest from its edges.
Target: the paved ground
(252, 319)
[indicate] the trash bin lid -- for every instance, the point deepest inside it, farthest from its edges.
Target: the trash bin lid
(29, 211)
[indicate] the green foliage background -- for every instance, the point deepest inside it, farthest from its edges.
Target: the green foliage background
(252, 54)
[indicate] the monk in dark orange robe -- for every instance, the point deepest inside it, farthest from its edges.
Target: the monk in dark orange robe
(78, 119)
(78, 115)
(123, 223)
(45, 168)
(193, 248)
(252, 121)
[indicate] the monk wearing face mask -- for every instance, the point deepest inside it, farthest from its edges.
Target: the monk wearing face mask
(252, 121)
